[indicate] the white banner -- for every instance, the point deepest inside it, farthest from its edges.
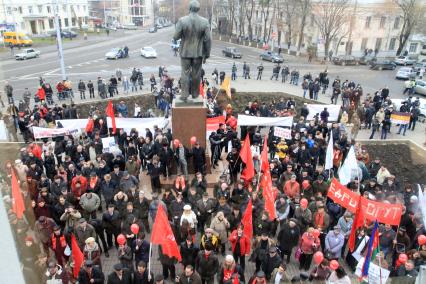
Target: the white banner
(108, 143)
(333, 110)
(247, 120)
(282, 132)
(40, 132)
(126, 123)
(3, 130)
(374, 272)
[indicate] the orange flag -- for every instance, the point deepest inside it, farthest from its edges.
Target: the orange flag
(18, 206)
(245, 154)
(162, 234)
(247, 221)
(226, 85)
(266, 182)
(77, 256)
(110, 112)
(202, 89)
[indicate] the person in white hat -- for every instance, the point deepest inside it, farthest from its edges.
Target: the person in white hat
(92, 251)
(189, 216)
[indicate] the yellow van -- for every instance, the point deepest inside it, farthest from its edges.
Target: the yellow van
(16, 39)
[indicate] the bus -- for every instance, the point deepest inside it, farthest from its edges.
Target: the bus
(16, 39)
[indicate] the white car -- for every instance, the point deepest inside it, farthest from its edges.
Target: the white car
(148, 52)
(405, 73)
(114, 53)
(398, 102)
(405, 60)
(27, 54)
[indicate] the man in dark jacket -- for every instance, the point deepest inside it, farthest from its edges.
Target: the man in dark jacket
(112, 224)
(207, 264)
(189, 251)
(272, 261)
(189, 276)
(90, 274)
(141, 276)
(142, 206)
(288, 237)
(199, 158)
(119, 275)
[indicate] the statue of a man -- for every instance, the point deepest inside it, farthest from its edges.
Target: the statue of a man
(195, 46)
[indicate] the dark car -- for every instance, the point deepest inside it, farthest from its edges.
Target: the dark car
(382, 65)
(65, 34)
(367, 59)
(272, 56)
(345, 60)
(231, 52)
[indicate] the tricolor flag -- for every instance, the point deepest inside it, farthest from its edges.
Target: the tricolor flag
(400, 117)
(373, 245)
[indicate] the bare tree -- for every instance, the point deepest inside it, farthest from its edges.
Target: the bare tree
(330, 17)
(304, 7)
(249, 16)
(241, 16)
(289, 7)
(265, 5)
(412, 12)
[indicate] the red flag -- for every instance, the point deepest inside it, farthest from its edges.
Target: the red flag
(110, 112)
(77, 256)
(162, 234)
(90, 125)
(245, 154)
(18, 206)
(202, 89)
(247, 221)
(266, 182)
(357, 223)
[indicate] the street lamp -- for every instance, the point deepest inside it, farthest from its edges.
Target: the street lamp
(59, 41)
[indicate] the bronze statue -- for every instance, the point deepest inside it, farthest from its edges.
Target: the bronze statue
(194, 33)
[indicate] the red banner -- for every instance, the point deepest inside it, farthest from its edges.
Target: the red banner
(372, 210)
(212, 124)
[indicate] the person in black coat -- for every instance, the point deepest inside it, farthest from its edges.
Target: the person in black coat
(199, 158)
(272, 261)
(288, 238)
(111, 223)
(119, 271)
(100, 235)
(140, 276)
(207, 264)
(189, 251)
(140, 248)
(90, 272)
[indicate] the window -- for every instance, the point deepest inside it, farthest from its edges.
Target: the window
(9, 10)
(73, 21)
(40, 9)
(368, 22)
(64, 8)
(51, 24)
(364, 43)
(378, 43)
(413, 47)
(382, 22)
(20, 10)
(396, 22)
(66, 22)
(48, 9)
(30, 9)
(392, 43)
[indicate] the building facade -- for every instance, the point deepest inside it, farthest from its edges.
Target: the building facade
(36, 17)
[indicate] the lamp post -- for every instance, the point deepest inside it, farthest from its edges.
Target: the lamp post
(59, 41)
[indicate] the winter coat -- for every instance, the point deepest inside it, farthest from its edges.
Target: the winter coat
(126, 278)
(288, 237)
(111, 223)
(97, 275)
(193, 279)
(141, 250)
(189, 254)
(90, 204)
(334, 244)
(125, 256)
(82, 235)
(221, 228)
(207, 267)
(244, 243)
(270, 264)
(93, 254)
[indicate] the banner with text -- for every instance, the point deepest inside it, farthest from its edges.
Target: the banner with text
(248, 120)
(315, 109)
(41, 132)
(282, 132)
(375, 272)
(382, 212)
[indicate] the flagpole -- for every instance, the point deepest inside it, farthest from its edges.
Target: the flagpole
(380, 264)
(149, 260)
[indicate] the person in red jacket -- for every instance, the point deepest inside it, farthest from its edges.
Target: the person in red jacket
(292, 188)
(240, 245)
(78, 185)
(41, 94)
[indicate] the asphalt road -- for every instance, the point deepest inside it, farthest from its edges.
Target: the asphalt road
(86, 60)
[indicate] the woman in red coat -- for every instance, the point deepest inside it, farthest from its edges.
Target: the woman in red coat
(41, 94)
(240, 245)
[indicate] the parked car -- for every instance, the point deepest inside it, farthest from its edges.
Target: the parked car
(405, 73)
(65, 34)
(272, 56)
(382, 65)
(130, 26)
(232, 52)
(367, 59)
(27, 54)
(420, 88)
(152, 30)
(115, 53)
(159, 26)
(418, 66)
(405, 60)
(148, 52)
(345, 60)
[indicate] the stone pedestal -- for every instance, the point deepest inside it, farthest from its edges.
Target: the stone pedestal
(188, 121)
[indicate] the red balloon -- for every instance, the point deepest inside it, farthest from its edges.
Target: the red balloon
(334, 264)
(121, 239)
(403, 258)
(176, 143)
(316, 233)
(193, 140)
(318, 257)
(421, 240)
(304, 203)
(134, 228)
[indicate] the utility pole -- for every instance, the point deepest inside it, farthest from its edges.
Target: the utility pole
(105, 18)
(174, 15)
(351, 24)
(59, 41)
(211, 21)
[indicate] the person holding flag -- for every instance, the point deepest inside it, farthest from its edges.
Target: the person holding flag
(372, 249)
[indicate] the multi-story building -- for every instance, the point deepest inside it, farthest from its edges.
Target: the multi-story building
(37, 16)
(123, 12)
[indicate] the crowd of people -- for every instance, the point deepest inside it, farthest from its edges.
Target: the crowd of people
(73, 189)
